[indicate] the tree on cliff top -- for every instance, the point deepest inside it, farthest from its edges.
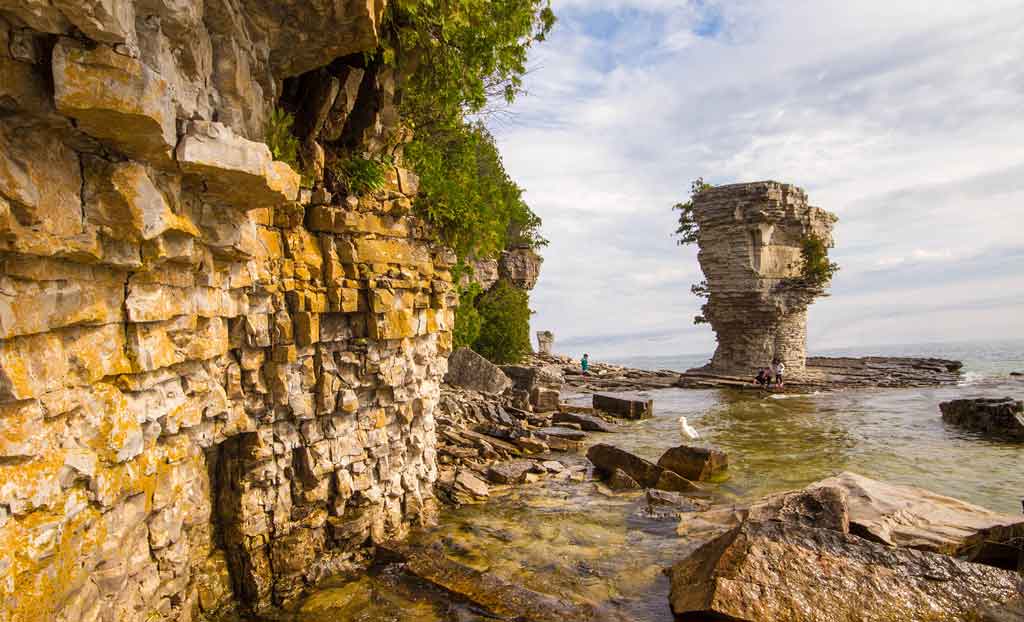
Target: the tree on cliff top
(688, 229)
(455, 57)
(459, 54)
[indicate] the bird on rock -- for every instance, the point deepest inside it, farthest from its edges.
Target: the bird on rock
(686, 430)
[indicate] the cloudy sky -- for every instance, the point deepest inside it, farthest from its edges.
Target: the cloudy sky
(904, 118)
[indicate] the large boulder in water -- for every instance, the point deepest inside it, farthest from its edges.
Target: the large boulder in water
(775, 570)
(469, 370)
(608, 458)
(695, 463)
(911, 517)
(1001, 417)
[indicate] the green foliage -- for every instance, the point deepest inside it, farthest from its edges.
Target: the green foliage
(505, 324)
(458, 54)
(455, 57)
(280, 139)
(467, 319)
(688, 228)
(815, 267)
(361, 175)
(466, 193)
(283, 144)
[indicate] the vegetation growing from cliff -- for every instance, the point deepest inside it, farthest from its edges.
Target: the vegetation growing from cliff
(468, 196)
(456, 58)
(505, 324)
(361, 175)
(815, 268)
(688, 228)
(283, 144)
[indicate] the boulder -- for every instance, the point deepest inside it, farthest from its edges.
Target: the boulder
(608, 458)
(774, 570)
(822, 507)
(694, 463)
(1002, 417)
(544, 400)
(620, 480)
(623, 408)
(528, 377)
(513, 472)
(590, 423)
(916, 518)
(469, 370)
(467, 481)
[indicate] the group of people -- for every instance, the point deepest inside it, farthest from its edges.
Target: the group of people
(766, 376)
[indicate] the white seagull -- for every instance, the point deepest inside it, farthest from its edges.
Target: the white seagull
(686, 430)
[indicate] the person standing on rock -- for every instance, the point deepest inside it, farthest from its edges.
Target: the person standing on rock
(778, 368)
(585, 362)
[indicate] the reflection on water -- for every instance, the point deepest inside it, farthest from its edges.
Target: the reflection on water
(571, 540)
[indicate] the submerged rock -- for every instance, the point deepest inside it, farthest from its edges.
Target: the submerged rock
(469, 370)
(773, 570)
(590, 423)
(624, 408)
(695, 463)
(502, 598)
(1002, 417)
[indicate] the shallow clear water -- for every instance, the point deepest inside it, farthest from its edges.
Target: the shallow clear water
(574, 541)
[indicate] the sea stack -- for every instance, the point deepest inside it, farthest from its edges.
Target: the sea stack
(750, 239)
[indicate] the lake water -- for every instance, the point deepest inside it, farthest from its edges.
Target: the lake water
(574, 541)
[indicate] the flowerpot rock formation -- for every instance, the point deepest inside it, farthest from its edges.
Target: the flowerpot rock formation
(750, 238)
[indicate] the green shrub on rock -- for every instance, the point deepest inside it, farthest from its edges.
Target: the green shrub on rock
(467, 319)
(505, 324)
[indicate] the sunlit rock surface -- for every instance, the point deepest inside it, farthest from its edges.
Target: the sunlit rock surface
(210, 392)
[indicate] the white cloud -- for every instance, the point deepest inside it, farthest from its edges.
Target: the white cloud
(902, 117)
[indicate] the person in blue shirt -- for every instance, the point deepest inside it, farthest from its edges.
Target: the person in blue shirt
(585, 362)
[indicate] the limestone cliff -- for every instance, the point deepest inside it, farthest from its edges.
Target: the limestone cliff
(750, 239)
(215, 387)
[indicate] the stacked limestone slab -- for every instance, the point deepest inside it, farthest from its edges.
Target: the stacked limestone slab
(750, 239)
(212, 390)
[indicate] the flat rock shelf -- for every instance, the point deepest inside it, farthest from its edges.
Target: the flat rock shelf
(827, 373)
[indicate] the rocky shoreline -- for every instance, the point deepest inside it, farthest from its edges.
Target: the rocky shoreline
(490, 441)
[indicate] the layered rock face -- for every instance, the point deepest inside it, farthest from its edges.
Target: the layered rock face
(212, 388)
(750, 239)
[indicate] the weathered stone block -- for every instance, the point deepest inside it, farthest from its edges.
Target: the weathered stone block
(123, 199)
(237, 171)
(132, 111)
(695, 463)
(624, 408)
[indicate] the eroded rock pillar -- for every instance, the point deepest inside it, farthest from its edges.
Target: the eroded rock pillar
(750, 239)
